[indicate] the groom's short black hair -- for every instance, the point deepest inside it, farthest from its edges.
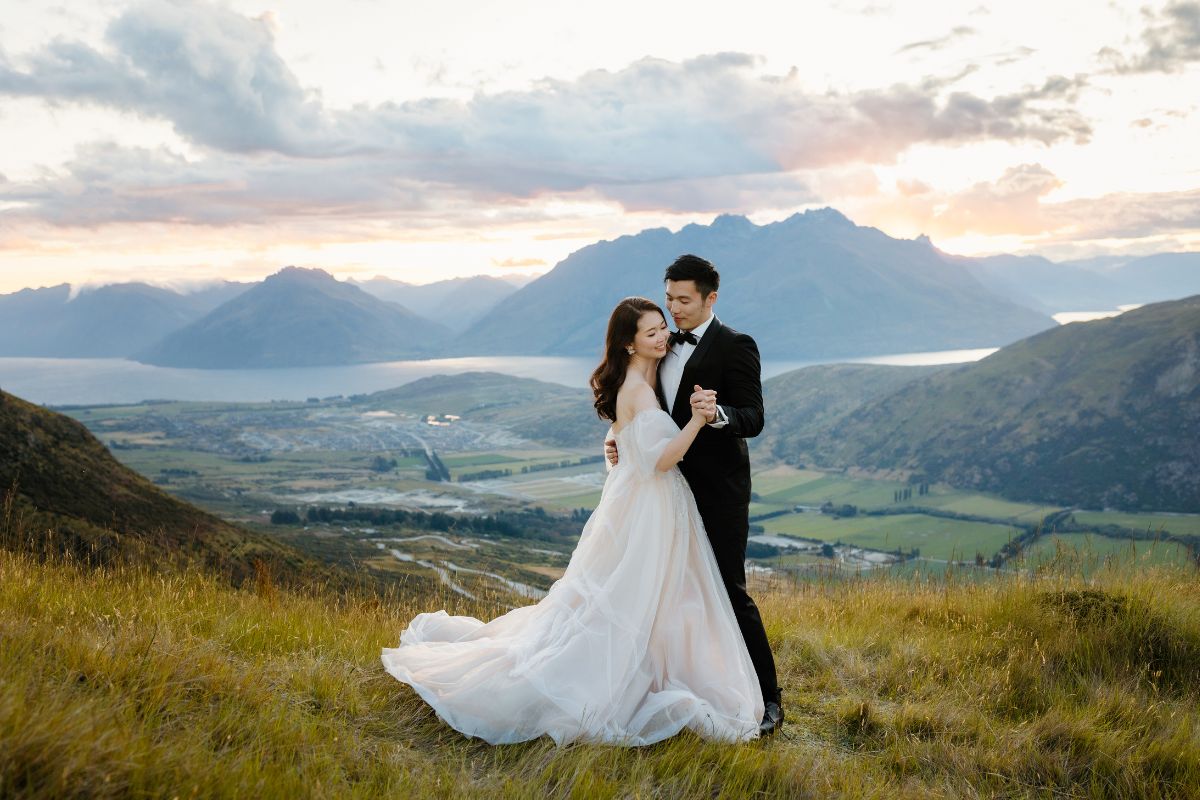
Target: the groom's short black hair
(694, 268)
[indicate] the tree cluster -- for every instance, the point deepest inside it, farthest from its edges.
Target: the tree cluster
(532, 523)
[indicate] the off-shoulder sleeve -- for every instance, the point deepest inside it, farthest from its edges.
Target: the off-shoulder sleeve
(610, 436)
(650, 433)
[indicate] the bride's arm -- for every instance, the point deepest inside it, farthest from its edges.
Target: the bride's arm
(642, 399)
(677, 447)
(673, 453)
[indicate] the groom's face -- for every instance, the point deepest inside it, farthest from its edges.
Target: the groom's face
(686, 306)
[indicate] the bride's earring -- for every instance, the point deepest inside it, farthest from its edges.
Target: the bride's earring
(629, 350)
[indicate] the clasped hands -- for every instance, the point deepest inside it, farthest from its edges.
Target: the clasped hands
(704, 403)
(704, 406)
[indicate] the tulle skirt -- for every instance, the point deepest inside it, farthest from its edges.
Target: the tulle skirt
(634, 643)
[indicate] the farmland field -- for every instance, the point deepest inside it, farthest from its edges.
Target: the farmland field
(935, 537)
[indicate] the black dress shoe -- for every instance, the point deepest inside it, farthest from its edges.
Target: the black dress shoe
(772, 720)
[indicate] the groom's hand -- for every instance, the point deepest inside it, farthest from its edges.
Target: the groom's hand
(610, 451)
(706, 401)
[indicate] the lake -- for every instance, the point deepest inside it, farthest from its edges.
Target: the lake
(87, 381)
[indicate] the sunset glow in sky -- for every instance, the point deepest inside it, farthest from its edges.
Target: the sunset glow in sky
(180, 141)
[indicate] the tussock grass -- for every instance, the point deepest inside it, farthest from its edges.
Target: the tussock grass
(124, 681)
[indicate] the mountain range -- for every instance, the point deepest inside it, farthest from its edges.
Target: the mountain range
(456, 303)
(299, 318)
(1093, 285)
(813, 286)
(108, 322)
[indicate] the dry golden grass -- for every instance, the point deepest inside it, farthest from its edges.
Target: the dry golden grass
(126, 682)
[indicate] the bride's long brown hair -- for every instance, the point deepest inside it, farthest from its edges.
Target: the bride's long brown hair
(622, 328)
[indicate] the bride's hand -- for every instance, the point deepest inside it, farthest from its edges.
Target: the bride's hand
(704, 404)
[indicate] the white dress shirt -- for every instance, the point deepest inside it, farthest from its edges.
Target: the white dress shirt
(671, 371)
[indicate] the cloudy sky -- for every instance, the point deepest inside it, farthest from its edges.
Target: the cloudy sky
(178, 141)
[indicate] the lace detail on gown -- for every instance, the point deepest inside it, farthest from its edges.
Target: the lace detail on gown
(636, 641)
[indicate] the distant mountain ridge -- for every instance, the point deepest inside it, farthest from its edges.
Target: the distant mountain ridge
(455, 303)
(121, 320)
(1092, 285)
(299, 318)
(812, 286)
(111, 321)
(1096, 414)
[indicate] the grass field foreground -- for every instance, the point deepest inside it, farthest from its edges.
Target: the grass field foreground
(127, 682)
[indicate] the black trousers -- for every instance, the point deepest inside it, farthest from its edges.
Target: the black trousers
(728, 527)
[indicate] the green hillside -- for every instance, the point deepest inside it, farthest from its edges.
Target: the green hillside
(64, 493)
(802, 403)
(1096, 414)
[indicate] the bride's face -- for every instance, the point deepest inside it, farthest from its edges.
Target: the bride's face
(652, 336)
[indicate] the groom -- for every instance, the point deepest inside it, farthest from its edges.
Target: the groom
(705, 353)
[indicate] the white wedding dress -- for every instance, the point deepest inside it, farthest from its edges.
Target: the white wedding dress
(635, 642)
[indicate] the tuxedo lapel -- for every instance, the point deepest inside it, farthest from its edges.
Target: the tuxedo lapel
(658, 387)
(693, 364)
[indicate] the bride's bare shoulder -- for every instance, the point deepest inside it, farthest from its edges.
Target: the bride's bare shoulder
(632, 398)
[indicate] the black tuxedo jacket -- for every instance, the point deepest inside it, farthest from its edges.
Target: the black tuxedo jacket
(717, 465)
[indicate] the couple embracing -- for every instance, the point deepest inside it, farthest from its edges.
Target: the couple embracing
(650, 629)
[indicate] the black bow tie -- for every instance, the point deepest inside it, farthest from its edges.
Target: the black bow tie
(678, 337)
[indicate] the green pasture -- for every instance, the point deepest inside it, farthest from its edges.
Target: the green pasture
(936, 537)
(1179, 524)
(1082, 546)
(766, 508)
(570, 502)
(833, 488)
(776, 479)
(513, 460)
(476, 459)
(783, 487)
(983, 505)
(796, 560)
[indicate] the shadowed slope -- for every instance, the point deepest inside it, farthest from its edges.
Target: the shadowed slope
(1096, 414)
(64, 493)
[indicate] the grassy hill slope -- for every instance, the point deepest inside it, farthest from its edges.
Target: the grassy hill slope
(124, 682)
(63, 492)
(1096, 414)
(804, 402)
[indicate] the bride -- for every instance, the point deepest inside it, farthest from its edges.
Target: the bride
(637, 640)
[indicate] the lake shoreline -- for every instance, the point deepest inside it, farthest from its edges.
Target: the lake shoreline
(65, 382)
